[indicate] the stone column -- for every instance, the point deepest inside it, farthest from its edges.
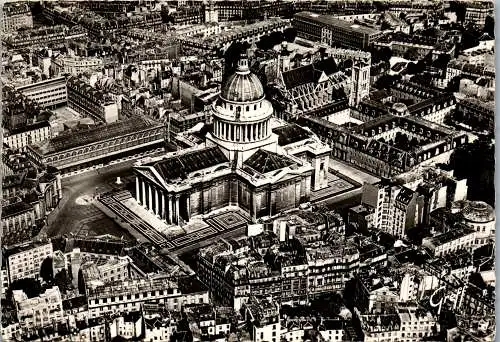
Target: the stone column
(188, 204)
(170, 209)
(137, 191)
(143, 201)
(251, 133)
(177, 216)
(162, 207)
(157, 205)
(150, 197)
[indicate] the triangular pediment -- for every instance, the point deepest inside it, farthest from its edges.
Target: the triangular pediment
(323, 77)
(147, 172)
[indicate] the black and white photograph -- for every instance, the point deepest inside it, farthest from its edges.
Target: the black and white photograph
(248, 170)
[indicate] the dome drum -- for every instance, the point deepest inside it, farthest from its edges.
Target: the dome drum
(241, 132)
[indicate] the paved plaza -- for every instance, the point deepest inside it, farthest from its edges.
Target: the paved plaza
(143, 225)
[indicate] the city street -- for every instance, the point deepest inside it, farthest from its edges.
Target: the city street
(75, 216)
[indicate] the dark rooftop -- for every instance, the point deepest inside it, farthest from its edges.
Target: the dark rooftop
(14, 209)
(30, 127)
(95, 134)
(264, 161)
(180, 166)
(290, 134)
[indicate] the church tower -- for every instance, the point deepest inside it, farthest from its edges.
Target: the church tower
(241, 117)
(211, 14)
(360, 82)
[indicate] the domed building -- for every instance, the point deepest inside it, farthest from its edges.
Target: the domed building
(241, 117)
(249, 159)
(399, 109)
(479, 216)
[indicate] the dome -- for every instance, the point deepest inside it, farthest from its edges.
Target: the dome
(400, 109)
(242, 86)
(479, 212)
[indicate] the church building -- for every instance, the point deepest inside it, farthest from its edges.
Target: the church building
(250, 159)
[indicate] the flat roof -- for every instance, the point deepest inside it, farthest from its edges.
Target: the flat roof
(330, 20)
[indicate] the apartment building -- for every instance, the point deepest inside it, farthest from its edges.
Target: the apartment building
(48, 93)
(19, 138)
(15, 16)
(121, 296)
(91, 102)
(18, 222)
(75, 65)
(263, 316)
(477, 12)
(403, 323)
(451, 241)
(24, 260)
(397, 208)
(38, 312)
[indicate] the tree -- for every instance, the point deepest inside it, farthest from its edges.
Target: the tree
(386, 81)
(81, 283)
(265, 43)
(411, 68)
(411, 54)
(442, 61)
(481, 177)
(47, 270)
(347, 64)
(62, 281)
(453, 85)
(30, 286)
(276, 38)
(290, 34)
(424, 79)
(489, 26)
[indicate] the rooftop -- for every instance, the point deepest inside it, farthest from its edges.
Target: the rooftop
(180, 166)
(449, 236)
(264, 161)
(330, 20)
(290, 134)
(94, 134)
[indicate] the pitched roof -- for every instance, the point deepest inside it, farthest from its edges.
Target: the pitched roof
(290, 134)
(309, 73)
(299, 76)
(264, 161)
(181, 165)
(327, 65)
(98, 133)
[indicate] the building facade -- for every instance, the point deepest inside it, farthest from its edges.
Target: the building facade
(75, 65)
(18, 139)
(130, 295)
(48, 93)
(18, 221)
(91, 102)
(99, 145)
(333, 31)
(39, 312)
(24, 260)
(15, 16)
